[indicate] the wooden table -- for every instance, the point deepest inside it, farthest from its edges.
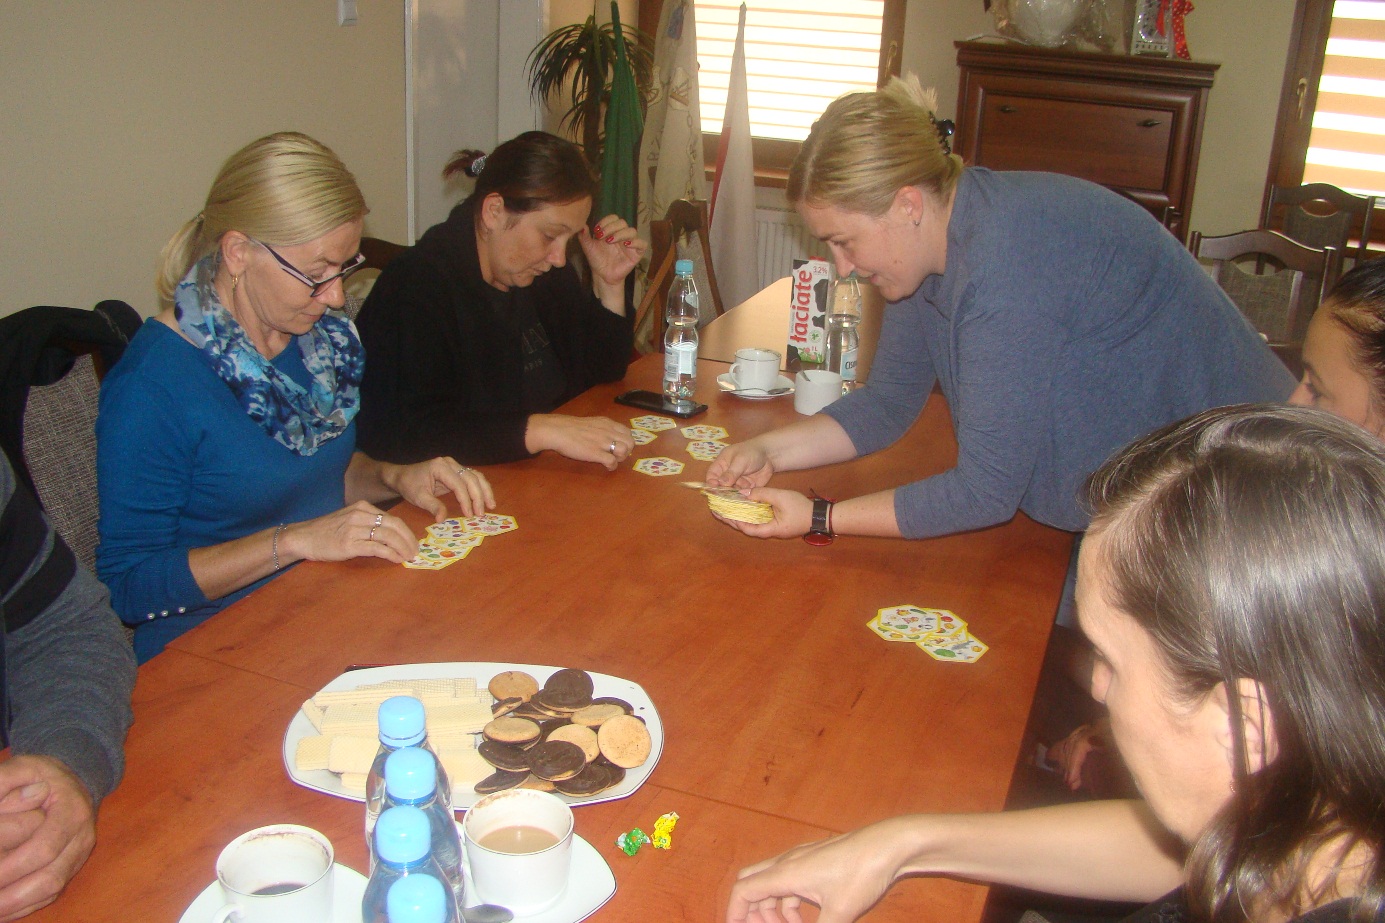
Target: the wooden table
(763, 320)
(786, 720)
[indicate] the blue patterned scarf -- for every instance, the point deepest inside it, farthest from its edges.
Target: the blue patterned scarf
(303, 420)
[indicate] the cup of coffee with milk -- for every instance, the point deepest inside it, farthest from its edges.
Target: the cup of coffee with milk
(519, 847)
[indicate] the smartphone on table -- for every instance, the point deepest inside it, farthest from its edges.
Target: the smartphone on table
(656, 402)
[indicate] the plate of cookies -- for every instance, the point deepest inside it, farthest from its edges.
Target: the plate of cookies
(587, 737)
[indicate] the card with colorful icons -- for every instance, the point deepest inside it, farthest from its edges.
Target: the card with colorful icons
(703, 431)
(642, 436)
(963, 648)
(652, 422)
(658, 466)
(939, 632)
(432, 557)
(706, 450)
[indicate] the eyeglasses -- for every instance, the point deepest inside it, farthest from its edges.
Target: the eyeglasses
(316, 286)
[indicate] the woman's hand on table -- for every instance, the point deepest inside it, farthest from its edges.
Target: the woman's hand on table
(591, 439)
(743, 465)
(359, 530)
(844, 876)
(47, 830)
(423, 483)
(793, 514)
(612, 249)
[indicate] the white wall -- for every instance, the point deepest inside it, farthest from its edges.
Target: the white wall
(115, 116)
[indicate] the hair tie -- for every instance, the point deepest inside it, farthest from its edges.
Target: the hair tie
(477, 166)
(200, 218)
(945, 128)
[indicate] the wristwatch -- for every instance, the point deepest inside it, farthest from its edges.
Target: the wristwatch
(821, 531)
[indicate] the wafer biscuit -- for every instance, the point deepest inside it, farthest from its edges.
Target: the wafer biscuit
(352, 754)
(354, 782)
(311, 753)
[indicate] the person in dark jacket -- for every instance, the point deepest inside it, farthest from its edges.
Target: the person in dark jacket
(480, 330)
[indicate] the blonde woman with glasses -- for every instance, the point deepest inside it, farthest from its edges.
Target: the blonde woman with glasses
(226, 434)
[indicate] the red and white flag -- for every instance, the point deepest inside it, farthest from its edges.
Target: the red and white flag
(735, 248)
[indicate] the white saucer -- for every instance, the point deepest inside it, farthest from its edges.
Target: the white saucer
(590, 885)
(727, 383)
(348, 887)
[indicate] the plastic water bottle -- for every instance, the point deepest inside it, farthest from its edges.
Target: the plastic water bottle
(411, 780)
(418, 898)
(680, 339)
(401, 725)
(402, 848)
(843, 341)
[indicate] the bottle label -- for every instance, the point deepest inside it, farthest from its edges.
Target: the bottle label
(680, 359)
(849, 365)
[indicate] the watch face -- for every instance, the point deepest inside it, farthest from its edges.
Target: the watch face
(818, 538)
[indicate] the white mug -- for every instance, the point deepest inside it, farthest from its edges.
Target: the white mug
(814, 389)
(528, 881)
(276, 874)
(755, 368)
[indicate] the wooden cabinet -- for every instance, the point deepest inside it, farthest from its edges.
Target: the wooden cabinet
(1131, 123)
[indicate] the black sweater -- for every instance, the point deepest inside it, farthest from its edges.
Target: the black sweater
(444, 369)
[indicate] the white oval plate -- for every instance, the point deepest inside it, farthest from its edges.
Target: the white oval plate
(323, 781)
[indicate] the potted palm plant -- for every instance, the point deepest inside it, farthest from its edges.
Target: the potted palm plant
(582, 56)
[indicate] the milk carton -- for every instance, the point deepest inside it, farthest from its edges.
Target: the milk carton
(807, 312)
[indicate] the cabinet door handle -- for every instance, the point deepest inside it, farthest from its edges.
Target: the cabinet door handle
(1149, 123)
(1007, 109)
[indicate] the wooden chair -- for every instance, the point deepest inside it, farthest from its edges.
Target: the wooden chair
(1321, 215)
(1279, 303)
(686, 222)
(378, 254)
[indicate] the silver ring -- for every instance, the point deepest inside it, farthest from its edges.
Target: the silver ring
(379, 518)
(612, 449)
(462, 470)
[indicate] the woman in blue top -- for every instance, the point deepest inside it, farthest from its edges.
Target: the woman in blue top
(225, 436)
(1058, 319)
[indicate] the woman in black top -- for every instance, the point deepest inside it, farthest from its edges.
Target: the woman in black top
(477, 332)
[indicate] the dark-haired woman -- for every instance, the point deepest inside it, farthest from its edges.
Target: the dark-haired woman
(477, 332)
(1245, 675)
(1344, 351)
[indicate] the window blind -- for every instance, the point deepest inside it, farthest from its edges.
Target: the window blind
(799, 56)
(1347, 143)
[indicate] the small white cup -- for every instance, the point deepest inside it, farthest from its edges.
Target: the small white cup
(814, 389)
(755, 368)
(529, 882)
(269, 859)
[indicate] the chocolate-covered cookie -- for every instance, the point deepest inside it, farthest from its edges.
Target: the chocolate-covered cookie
(596, 777)
(557, 759)
(500, 780)
(612, 700)
(504, 756)
(567, 690)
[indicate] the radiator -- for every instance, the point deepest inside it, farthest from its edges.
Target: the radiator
(783, 239)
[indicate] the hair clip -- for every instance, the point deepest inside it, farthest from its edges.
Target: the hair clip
(477, 166)
(946, 128)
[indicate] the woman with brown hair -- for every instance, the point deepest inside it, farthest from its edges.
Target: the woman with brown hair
(477, 332)
(1232, 584)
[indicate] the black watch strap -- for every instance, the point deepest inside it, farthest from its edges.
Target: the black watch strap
(820, 533)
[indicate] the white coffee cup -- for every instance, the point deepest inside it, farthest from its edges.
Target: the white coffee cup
(814, 389)
(755, 368)
(292, 863)
(526, 882)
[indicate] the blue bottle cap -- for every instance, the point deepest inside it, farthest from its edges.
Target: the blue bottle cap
(402, 835)
(683, 267)
(417, 898)
(411, 775)
(401, 721)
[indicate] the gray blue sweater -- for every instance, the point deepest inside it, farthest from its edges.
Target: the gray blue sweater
(1067, 324)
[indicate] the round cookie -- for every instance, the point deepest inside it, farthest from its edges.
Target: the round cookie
(534, 782)
(499, 780)
(504, 756)
(593, 716)
(612, 700)
(513, 684)
(567, 690)
(625, 741)
(560, 701)
(510, 730)
(557, 759)
(591, 780)
(583, 737)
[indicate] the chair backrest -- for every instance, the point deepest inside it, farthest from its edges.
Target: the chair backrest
(378, 254)
(60, 449)
(1278, 302)
(681, 234)
(1321, 215)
